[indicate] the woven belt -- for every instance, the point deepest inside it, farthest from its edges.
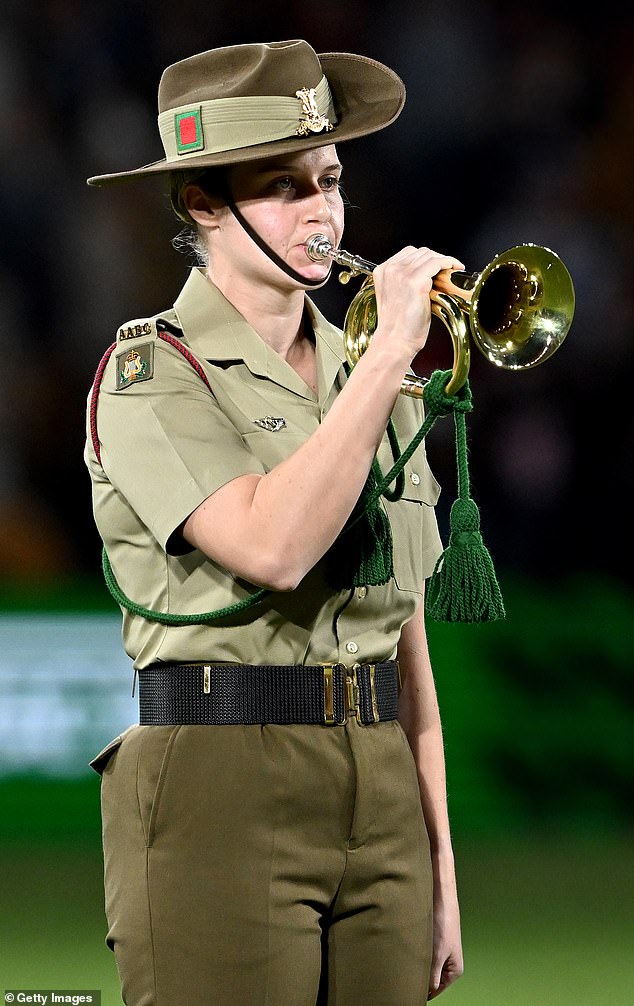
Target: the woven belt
(223, 694)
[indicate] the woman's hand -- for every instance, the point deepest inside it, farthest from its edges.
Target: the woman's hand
(403, 284)
(447, 962)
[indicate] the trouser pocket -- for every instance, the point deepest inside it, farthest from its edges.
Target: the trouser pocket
(155, 752)
(100, 762)
(133, 767)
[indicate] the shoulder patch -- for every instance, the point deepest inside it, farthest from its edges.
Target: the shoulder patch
(134, 365)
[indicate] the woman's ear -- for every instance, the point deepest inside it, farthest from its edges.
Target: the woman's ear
(204, 209)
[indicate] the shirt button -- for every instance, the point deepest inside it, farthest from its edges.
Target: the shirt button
(352, 647)
(362, 592)
(415, 479)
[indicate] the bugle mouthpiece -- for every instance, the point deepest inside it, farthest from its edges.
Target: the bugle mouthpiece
(318, 247)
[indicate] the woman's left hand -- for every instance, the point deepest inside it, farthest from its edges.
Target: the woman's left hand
(446, 963)
(420, 719)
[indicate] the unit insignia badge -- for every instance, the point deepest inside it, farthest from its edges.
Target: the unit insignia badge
(134, 366)
(271, 423)
(313, 121)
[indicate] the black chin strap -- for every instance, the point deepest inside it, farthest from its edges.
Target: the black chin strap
(274, 257)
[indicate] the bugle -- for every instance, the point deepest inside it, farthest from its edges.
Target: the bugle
(518, 310)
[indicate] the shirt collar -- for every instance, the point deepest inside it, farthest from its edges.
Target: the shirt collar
(216, 331)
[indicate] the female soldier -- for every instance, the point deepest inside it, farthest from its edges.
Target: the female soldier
(270, 836)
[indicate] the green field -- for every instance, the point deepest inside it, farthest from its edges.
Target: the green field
(547, 920)
(537, 715)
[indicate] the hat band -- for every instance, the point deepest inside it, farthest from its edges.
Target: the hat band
(224, 124)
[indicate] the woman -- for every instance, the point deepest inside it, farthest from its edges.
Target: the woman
(269, 834)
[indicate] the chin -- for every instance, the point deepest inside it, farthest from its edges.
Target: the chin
(313, 271)
(316, 278)
(317, 283)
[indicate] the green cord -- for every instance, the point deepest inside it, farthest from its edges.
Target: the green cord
(397, 492)
(167, 619)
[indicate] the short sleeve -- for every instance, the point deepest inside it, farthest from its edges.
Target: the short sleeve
(165, 443)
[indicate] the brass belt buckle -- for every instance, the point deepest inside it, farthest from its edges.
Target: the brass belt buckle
(351, 694)
(355, 702)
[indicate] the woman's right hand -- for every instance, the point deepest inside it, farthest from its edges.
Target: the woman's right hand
(403, 284)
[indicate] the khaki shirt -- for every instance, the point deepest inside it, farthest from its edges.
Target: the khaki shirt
(167, 444)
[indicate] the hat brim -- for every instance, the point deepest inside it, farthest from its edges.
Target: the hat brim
(367, 95)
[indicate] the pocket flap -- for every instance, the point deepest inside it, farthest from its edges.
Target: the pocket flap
(420, 484)
(100, 761)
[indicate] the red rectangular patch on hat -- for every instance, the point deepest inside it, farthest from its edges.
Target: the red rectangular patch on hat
(189, 131)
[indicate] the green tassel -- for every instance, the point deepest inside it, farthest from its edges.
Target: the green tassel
(463, 586)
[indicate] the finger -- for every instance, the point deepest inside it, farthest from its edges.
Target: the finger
(420, 254)
(440, 980)
(435, 979)
(440, 261)
(429, 262)
(415, 268)
(436, 988)
(405, 254)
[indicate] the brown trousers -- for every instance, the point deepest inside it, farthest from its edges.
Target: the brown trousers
(266, 866)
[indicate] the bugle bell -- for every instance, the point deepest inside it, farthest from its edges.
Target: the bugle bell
(518, 310)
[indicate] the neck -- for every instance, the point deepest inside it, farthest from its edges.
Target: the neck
(275, 314)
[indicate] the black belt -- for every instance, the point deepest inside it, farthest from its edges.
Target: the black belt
(223, 694)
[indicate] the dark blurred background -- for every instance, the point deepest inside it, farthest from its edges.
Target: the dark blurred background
(519, 127)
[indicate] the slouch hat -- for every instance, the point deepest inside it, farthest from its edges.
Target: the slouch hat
(244, 102)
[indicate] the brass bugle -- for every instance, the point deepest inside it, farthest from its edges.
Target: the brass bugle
(518, 310)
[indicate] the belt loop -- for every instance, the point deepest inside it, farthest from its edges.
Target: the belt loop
(207, 679)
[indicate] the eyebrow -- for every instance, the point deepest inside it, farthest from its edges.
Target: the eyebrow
(269, 169)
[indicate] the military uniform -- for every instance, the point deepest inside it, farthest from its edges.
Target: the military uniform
(227, 847)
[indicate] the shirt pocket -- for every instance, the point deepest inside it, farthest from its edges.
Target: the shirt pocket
(271, 447)
(413, 525)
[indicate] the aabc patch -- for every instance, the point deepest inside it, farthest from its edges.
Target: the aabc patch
(135, 365)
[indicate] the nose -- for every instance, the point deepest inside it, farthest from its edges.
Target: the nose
(316, 207)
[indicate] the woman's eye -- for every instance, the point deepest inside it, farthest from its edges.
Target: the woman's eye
(330, 183)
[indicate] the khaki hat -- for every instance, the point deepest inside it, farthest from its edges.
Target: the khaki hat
(244, 102)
